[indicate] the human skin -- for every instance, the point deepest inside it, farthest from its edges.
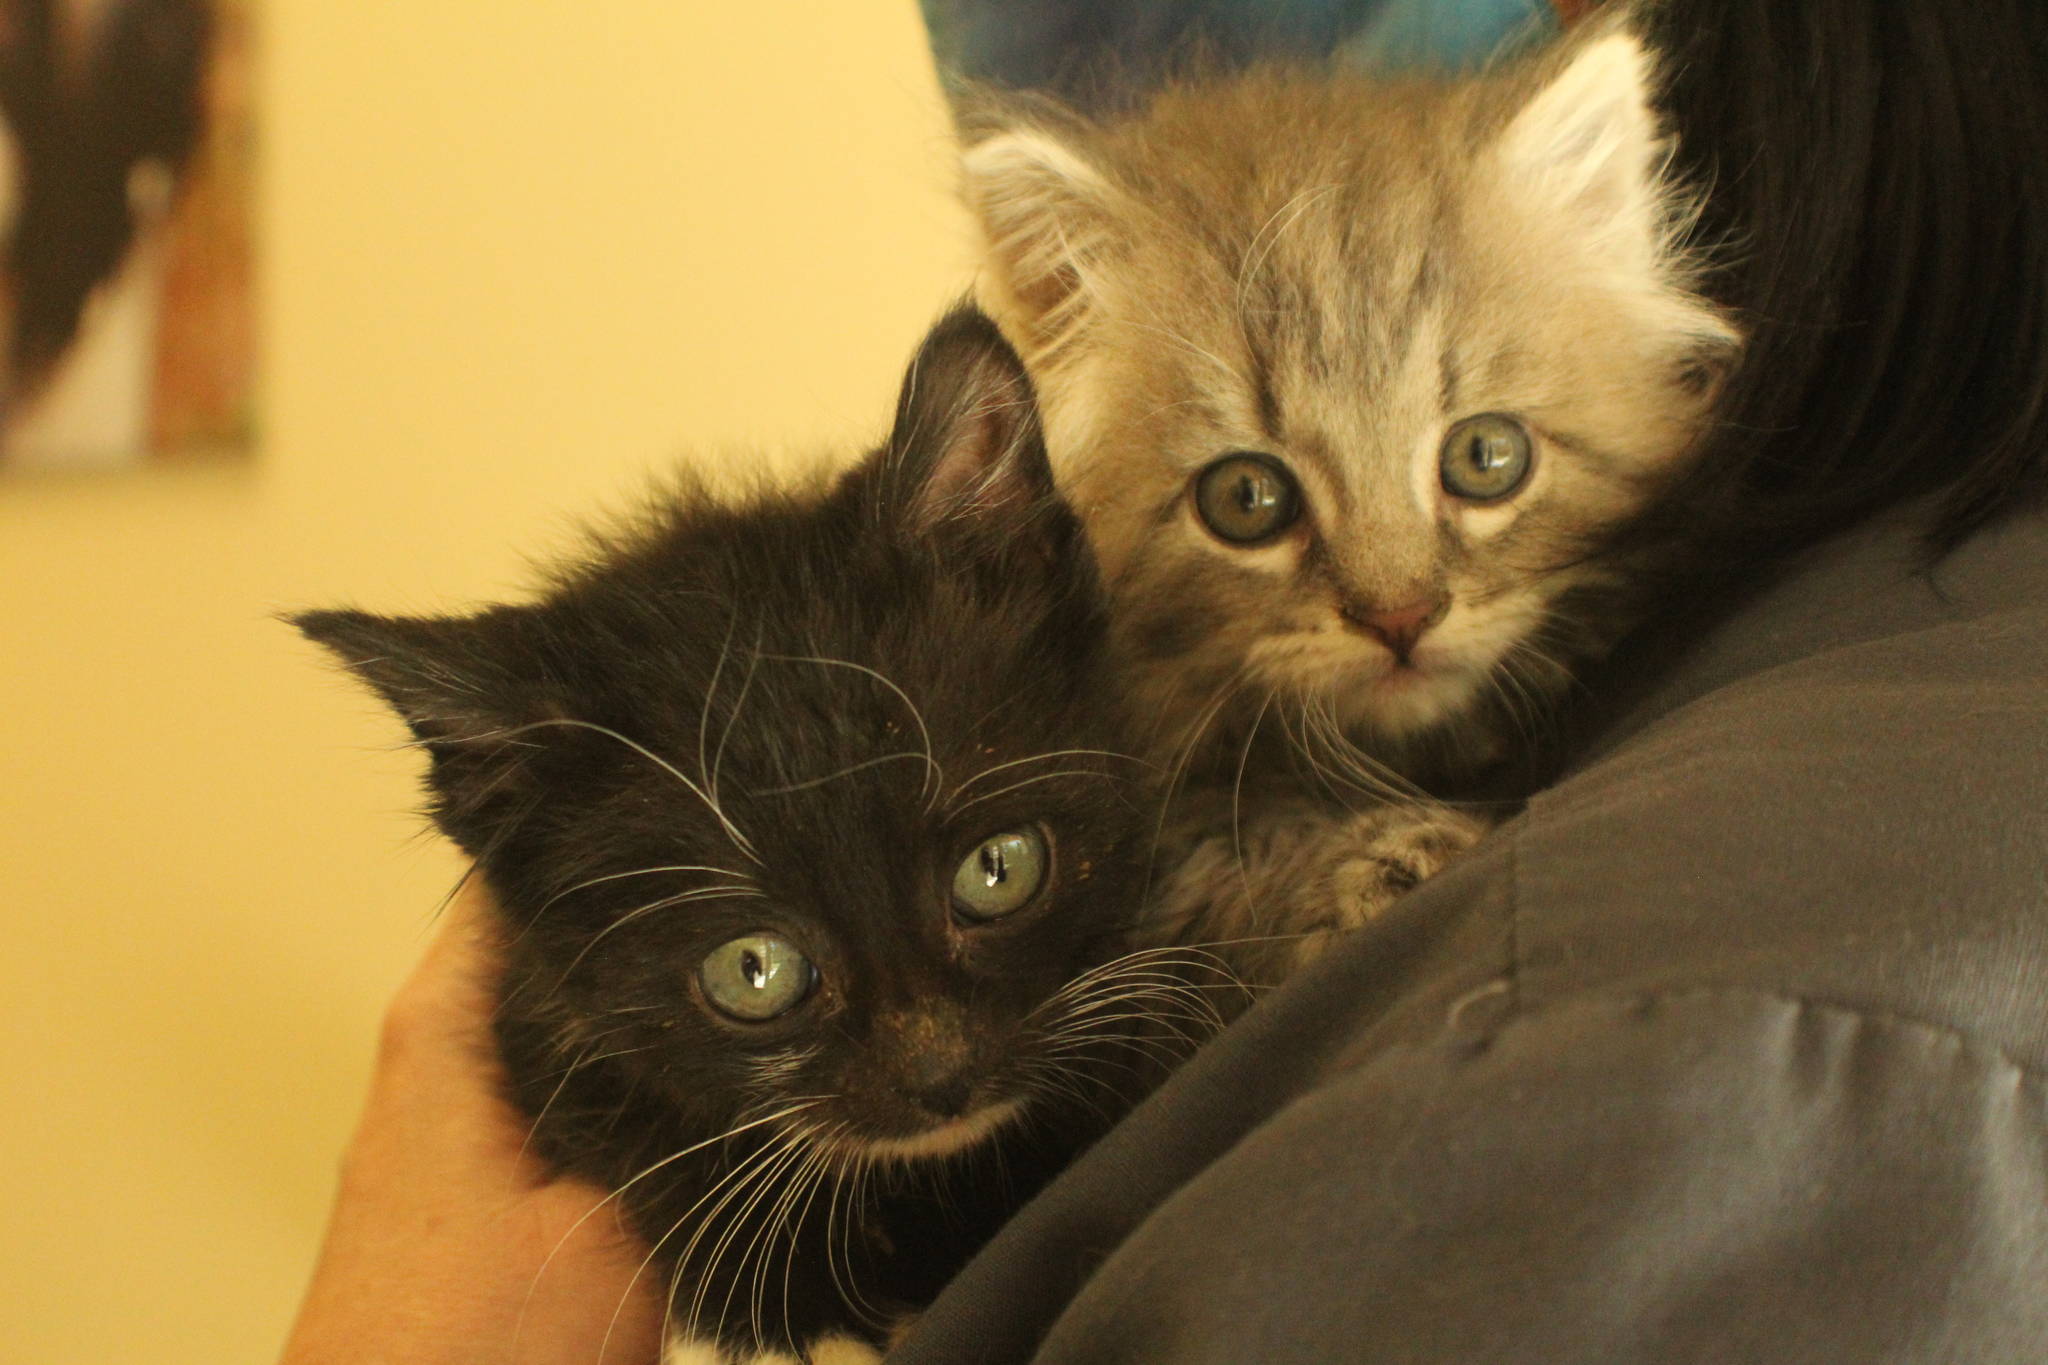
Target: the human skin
(450, 1243)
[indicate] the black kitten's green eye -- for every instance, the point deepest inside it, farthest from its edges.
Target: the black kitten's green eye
(1485, 458)
(1247, 498)
(757, 977)
(1000, 876)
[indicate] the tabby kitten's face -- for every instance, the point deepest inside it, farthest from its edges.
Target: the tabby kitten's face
(1347, 378)
(809, 829)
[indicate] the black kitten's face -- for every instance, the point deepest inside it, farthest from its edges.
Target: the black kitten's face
(807, 816)
(843, 865)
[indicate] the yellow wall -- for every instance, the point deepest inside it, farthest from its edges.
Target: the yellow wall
(516, 256)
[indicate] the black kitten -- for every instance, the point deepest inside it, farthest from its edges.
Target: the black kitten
(815, 849)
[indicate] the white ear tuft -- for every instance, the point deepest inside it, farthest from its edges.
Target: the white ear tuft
(1029, 164)
(1044, 213)
(1587, 145)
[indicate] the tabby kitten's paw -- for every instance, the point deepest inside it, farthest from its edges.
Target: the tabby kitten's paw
(1369, 860)
(1269, 892)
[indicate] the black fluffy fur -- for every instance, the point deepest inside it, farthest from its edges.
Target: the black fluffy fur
(945, 563)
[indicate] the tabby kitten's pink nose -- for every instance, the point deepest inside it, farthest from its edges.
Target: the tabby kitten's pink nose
(1398, 628)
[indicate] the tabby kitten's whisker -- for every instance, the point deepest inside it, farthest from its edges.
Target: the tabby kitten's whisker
(1237, 800)
(1256, 253)
(1182, 758)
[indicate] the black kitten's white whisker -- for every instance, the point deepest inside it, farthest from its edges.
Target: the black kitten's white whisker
(1168, 1001)
(824, 1174)
(710, 699)
(735, 892)
(811, 784)
(1195, 956)
(1029, 781)
(787, 1219)
(1058, 1081)
(568, 1073)
(1129, 1005)
(744, 1174)
(787, 1155)
(993, 769)
(732, 718)
(760, 1244)
(778, 1070)
(740, 841)
(1085, 1008)
(637, 872)
(935, 775)
(841, 1186)
(618, 1193)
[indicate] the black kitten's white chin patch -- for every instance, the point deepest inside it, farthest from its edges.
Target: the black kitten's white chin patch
(948, 1139)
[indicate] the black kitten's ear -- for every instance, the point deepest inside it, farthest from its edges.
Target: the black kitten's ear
(438, 673)
(967, 451)
(449, 680)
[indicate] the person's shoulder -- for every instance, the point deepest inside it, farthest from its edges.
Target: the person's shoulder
(1850, 809)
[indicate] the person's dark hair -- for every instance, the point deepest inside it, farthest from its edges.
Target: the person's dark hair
(1877, 180)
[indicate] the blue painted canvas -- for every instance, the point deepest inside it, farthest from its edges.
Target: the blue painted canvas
(1090, 51)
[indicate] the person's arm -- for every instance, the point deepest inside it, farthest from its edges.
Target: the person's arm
(450, 1243)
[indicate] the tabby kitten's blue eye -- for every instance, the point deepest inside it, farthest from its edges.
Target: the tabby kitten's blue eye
(1485, 458)
(1247, 498)
(1000, 876)
(756, 978)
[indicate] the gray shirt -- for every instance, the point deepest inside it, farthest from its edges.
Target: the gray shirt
(1730, 1049)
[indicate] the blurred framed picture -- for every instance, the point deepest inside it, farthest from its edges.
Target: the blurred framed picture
(127, 329)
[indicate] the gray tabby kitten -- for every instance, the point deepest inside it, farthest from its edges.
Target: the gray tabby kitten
(1351, 381)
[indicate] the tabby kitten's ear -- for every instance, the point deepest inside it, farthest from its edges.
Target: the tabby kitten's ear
(966, 463)
(1587, 152)
(1048, 218)
(1587, 148)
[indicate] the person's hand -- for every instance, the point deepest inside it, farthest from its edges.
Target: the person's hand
(449, 1241)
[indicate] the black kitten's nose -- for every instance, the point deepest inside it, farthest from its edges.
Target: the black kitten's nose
(946, 1096)
(934, 1065)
